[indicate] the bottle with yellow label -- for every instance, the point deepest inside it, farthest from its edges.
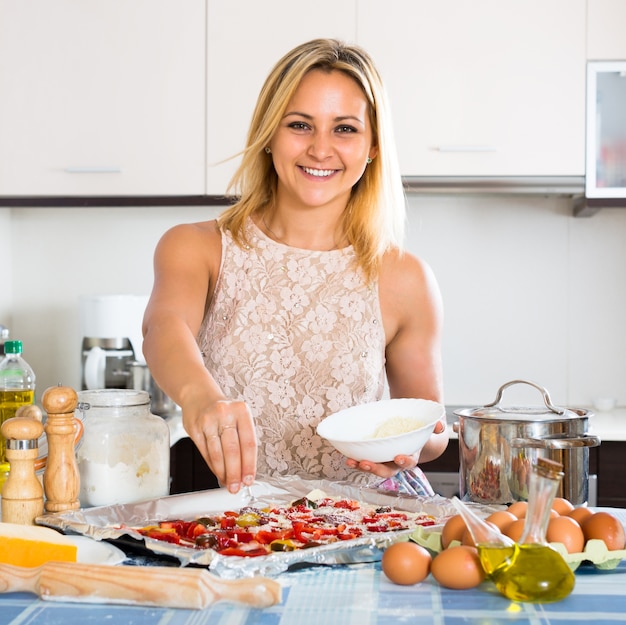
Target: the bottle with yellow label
(17, 385)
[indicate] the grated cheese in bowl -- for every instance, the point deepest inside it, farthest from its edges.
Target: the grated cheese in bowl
(395, 426)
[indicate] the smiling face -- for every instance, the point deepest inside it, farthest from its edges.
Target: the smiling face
(321, 146)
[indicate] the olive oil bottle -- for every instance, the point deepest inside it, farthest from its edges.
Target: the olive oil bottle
(17, 385)
(532, 570)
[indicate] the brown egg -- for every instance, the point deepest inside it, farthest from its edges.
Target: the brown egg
(606, 527)
(453, 529)
(515, 530)
(579, 514)
(518, 509)
(406, 563)
(562, 506)
(501, 519)
(458, 567)
(467, 536)
(565, 530)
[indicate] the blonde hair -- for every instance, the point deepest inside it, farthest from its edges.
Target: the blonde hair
(373, 221)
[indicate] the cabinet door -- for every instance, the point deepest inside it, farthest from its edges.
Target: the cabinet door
(606, 40)
(102, 98)
(482, 88)
(245, 39)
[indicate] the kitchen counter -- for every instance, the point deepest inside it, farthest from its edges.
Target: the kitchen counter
(609, 425)
(354, 594)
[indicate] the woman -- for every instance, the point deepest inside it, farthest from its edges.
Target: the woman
(298, 300)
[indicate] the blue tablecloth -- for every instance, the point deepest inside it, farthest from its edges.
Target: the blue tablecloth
(353, 595)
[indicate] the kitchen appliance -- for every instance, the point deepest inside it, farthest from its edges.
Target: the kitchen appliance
(140, 379)
(499, 445)
(111, 338)
(4, 337)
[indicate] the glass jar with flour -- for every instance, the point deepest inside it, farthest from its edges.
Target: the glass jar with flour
(124, 456)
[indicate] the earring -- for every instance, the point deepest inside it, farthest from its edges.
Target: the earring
(369, 160)
(268, 150)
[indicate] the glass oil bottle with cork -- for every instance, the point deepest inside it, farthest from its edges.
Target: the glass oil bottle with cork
(530, 570)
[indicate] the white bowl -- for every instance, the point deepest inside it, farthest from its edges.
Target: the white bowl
(351, 430)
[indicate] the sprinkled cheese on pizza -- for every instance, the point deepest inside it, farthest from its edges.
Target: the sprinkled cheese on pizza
(308, 522)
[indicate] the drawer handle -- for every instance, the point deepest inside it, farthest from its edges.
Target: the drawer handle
(93, 170)
(466, 148)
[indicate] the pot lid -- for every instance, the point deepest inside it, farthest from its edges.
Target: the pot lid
(547, 412)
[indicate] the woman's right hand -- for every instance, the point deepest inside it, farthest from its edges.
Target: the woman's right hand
(224, 434)
(186, 263)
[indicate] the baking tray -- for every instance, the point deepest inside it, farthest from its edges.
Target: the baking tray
(114, 523)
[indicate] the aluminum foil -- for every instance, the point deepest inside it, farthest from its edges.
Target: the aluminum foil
(116, 521)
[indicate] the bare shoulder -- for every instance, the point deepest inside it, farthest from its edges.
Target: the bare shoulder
(202, 240)
(403, 273)
(409, 293)
(201, 232)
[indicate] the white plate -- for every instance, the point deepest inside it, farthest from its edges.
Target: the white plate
(91, 551)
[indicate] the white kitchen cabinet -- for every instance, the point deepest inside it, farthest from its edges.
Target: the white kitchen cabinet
(102, 97)
(245, 39)
(606, 20)
(482, 88)
(606, 130)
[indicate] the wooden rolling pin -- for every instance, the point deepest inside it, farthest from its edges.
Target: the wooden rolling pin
(169, 587)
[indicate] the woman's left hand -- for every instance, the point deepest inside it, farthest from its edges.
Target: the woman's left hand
(400, 463)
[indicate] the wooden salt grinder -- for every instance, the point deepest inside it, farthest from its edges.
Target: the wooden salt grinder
(61, 480)
(22, 494)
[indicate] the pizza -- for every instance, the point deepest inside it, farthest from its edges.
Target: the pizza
(307, 522)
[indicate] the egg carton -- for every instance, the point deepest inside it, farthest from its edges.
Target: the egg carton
(595, 552)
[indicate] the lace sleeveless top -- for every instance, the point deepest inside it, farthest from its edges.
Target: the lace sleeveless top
(297, 334)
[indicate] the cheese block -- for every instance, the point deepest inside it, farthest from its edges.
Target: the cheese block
(31, 545)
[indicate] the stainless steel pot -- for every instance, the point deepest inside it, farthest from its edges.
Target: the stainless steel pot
(498, 446)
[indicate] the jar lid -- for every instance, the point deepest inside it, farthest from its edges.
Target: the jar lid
(112, 397)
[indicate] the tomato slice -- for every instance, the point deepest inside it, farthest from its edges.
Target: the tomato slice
(265, 537)
(156, 533)
(347, 504)
(247, 553)
(228, 522)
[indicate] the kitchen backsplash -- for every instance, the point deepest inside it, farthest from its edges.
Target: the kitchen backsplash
(529, 291)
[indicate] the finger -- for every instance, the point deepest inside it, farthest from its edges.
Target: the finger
(381, 470)
(214, 456)
(248, 449)
(231, 453)
(440, 427)
(406, 462)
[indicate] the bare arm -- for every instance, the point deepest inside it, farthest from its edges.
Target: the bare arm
(413, 316)
(186, 266)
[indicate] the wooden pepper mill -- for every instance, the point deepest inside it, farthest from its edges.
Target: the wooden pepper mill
(22, 494)
(61, 480)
